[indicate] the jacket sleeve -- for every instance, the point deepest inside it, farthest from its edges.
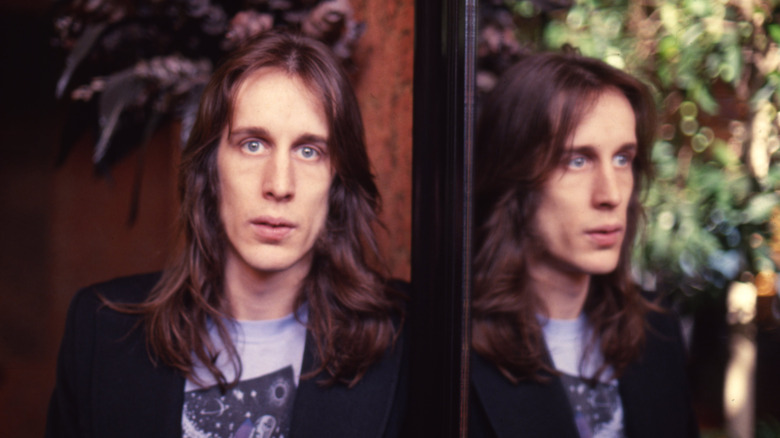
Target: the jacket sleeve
(68, 415)
(654, 388)
(674, 327)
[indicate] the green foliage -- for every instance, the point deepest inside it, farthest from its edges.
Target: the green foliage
(713, 66)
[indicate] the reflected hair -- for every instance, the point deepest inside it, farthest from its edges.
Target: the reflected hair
(351, 308)
(523, 131)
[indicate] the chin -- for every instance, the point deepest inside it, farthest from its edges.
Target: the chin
(270, 260)
(601, 269)
(271, 264)
(602, 264)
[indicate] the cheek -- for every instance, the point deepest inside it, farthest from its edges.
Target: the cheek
(234, 197)
(224, 189)
(323, 207)
(543, 223)
(320, 202)
(554, 221)
(627, 185)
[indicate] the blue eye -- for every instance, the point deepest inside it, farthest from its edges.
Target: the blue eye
(254, 146)
(309, 152)
(622, 160)
(577, 162)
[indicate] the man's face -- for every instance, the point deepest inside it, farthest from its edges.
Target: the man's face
(275, 174)
(581, 220)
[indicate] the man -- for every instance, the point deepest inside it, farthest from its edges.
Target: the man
(270, 321)
(565, 344)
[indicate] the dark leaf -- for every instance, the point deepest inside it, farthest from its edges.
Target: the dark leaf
(80, 51)
(122, 90)
(188, 110)
(774, 32)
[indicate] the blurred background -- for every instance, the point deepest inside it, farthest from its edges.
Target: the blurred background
(712, 242)
(87, 180)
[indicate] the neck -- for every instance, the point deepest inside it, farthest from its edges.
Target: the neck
(258, 295)
(563, 293)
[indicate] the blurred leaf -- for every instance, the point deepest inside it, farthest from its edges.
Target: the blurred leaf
(188, 110)
(669, 16)
(700, 8)
(702, 96)
(723, 154)
(728, 263)
(739, 189)
(555, 35)
(774, 32)
(763, 94)
(692, 34)
(732, 63)
(665, 74)
(668, 47)
(122, 89)
(759, 209)
(80, 50)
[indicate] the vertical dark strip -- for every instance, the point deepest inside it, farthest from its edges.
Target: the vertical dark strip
(469, 123)
(441, 241)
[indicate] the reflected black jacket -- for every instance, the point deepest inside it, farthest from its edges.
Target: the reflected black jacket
(653, 391)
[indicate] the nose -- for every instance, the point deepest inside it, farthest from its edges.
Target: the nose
(278, 177)
(607, 188)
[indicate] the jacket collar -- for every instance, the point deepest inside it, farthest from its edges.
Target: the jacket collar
(528, 409)
(336, 410)
(645, 391)
(138, 397)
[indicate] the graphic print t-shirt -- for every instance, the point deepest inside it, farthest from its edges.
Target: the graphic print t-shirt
(260, 405)
(598, 410)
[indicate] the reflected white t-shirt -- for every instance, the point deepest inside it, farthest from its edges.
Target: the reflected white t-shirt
(598, 411)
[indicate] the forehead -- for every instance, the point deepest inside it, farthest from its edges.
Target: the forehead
(608, 120)
(270, 89)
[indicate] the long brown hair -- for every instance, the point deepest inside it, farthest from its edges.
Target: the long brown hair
(522, 135)
(351, 309)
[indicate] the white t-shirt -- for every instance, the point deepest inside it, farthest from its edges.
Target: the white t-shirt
(598, 411)
(260, 405)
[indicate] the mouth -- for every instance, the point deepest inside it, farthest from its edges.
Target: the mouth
(271, 229)
(606, 236)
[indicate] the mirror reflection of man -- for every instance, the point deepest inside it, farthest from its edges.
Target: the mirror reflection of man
(270, 321)
(565, 344)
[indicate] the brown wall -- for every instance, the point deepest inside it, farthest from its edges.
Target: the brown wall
(65, 228)
(384, 90)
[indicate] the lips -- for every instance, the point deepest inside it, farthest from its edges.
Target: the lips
(606, 236)
(271, 229)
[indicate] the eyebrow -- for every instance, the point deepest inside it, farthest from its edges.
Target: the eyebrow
(248, 132)
(260, 132)
(590, 149)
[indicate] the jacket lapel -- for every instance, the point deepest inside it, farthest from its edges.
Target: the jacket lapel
(361, 411)
(653, 388)
(527, 409)
(135, 397)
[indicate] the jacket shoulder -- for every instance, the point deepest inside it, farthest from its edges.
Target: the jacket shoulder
(131, 289)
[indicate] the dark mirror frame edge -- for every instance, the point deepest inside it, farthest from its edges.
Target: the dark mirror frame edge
(444, 81)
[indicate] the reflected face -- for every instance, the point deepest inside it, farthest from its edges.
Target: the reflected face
(580, 223)
(275, 175)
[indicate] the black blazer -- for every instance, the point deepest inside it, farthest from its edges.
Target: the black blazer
(654, 392)
(107, 385)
